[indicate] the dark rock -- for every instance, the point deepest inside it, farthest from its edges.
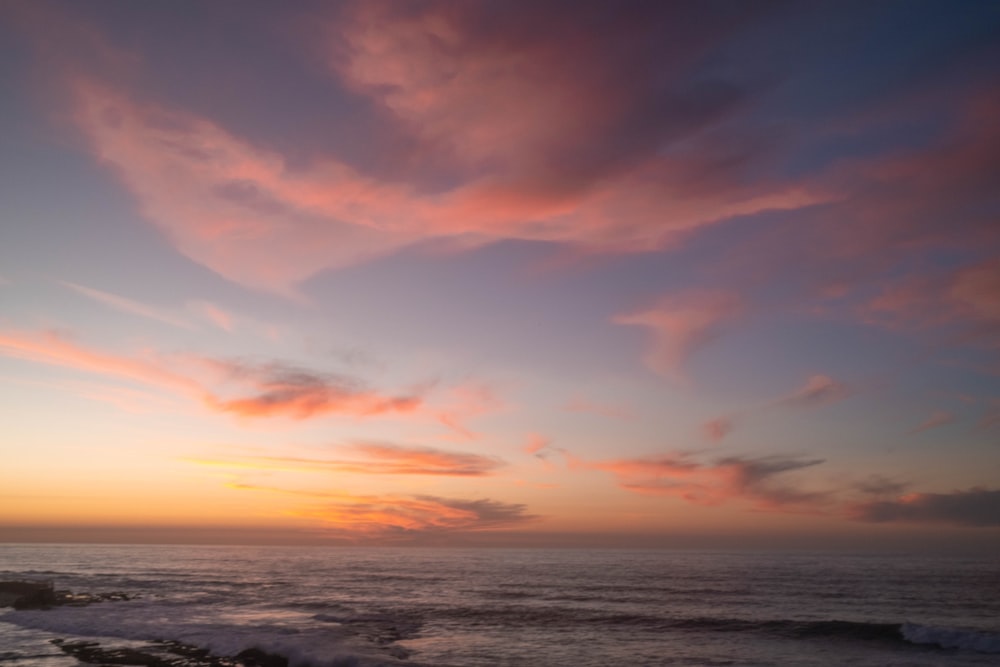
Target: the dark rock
(42, 595)
(94, 653)
(27, 594)
(254, 657)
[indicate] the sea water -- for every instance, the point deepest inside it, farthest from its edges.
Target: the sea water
(323, 606)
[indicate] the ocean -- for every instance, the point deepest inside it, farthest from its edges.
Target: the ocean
(326, 606)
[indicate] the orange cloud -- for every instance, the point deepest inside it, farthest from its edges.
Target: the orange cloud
(680, 324)
(275, 389)
(466, 401)
(402, 517)
(375, 459)
(536, 443)
(714, 483)
(399, 517)
(50, 348)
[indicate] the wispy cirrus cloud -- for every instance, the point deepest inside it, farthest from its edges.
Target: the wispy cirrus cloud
(818, 390)
(682, 323)
(130, 306)
(936, 419)
(584, 161)
(536, 443)
(53, 349)
(961, 306)
(544, 449)
(372, 458)
(248, 389)
(465, 401)
(215, 314)
(192, 315)
(718, 428)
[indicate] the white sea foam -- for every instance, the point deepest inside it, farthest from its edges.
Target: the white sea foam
(304, 644)
(970, 640)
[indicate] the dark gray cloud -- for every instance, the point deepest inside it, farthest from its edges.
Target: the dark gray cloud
(486, 513)
(975, 507)
(877, 485)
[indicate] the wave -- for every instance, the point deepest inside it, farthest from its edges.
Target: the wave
(336, 636)
(913, 633)
(970, 640)
(796, 629)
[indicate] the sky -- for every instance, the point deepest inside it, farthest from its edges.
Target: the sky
(548, 273)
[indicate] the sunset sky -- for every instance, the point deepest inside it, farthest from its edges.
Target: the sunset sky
(525, 273)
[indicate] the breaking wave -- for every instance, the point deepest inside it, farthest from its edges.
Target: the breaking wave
(969, 640)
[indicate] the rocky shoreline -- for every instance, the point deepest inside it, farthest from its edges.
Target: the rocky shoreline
(164, 653)
(41, 595)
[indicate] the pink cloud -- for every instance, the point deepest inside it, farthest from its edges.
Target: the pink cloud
(718, 428)
(731, 478)
(680, 324)
(818, 390)
(465, 401)
(425, 460)
(232, 207)
(243, 212)
(991, 417)
(50, 348)
(961, 307)
(578, 163)
(130, 306)
(536, 443)
(216, 315)
(264, 390)
(936, 419)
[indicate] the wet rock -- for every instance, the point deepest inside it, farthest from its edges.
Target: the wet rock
(94, 653)
(254, 657)
(27, 594)
(42, 595)
(162, 653)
